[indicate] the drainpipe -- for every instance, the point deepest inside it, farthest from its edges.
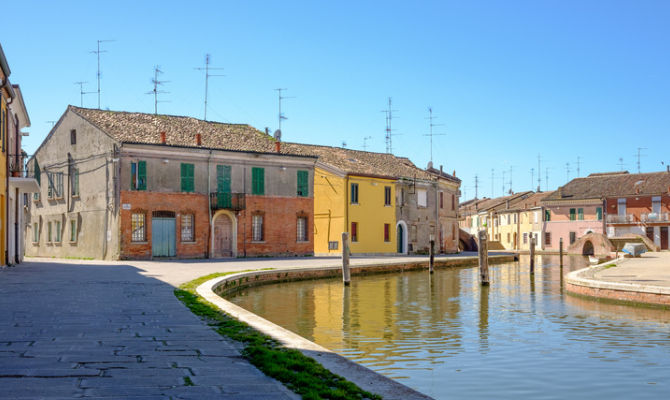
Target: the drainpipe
(346, 207)
(16, 198)
(209, 207)
(438, 225)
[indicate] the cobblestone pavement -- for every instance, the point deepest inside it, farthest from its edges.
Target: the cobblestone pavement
(105, 330)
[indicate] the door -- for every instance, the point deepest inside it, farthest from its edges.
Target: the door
(163, 235)
(650, 232)
(664, 238)
(223, 236)
(401, 239)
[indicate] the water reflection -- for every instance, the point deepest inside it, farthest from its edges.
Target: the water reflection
(444, 334)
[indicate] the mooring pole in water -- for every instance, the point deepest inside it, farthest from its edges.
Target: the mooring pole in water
(483, 259)
(431, 261)
(560, 251)
(346, 276)
(532, 255)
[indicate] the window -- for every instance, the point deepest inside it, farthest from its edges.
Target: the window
(73, 136)
(257, 228)
(138, 178)
(580, 214)
(138, 227)
(303, 183)
(387, 195)
(525, 238)
(333, 245)
(187, 180)
(572, 215)
(354, 193)
(55, 190)
(599, 213)
(509, 239)
(49, 232)
(412, 233)
(387, 232)
(73, 230)
(258, 181)
(354, 231)
(547, 215)
(573, 237)
(75, 182)
(421, 198)
(36, 232)
(187, 225)
(301, 234)
(547, 238)
(453, 202)
(58, 231)
(441, 199)
(38, 177)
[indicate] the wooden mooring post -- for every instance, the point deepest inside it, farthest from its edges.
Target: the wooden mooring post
(346, 275)
(483, 258)
(431, 261)
(532, 255)
(560, 251)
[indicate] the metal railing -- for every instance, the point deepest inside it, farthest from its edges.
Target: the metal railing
(654, 217)
(227, 201)
(620, 219)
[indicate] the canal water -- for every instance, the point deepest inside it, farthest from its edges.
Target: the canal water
(446, 336)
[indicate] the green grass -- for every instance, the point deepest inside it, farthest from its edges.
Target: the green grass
(608, 266)
(296, 371)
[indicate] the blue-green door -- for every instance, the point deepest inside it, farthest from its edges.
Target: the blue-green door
(401, 238)
(163, 237)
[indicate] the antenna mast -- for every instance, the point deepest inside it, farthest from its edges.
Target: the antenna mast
(155, 92)
(97, 52)
(81, 92)
(539, 175)
(476, 186)
(492, 181)
(511, 169)
(532, 177)
(207, 76)
(578, 165)
(389, 129)
(567, 172)
(365, 142)
(639, 150)
(503, 182)
(431, 134)
(621, 164)
(546, 178)
(281, 115)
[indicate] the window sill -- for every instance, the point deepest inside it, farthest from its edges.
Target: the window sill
(75, 197)
(189, 242)
(58, 244)
(35, 243)
(144, 242)
(258, 241)
(302, 241)
(49, 243)
(73, 243)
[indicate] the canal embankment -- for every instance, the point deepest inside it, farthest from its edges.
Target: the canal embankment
(644, 280)
(216, 289)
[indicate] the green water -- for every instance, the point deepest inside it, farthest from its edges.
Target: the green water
(448, 337)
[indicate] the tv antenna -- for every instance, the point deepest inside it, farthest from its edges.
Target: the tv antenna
(97, 53)
(567, 172)
(82, 92)
(281, 116)
(546, 178)
(476, 186)
(578, 165)
(155, 91)
(53, 123)
(389, 128)
(344, 144)
(365, 142)
(639, 154)
(532, 177)
(539, 174)
(503, 182)
(431, 134)
(511, 170)
(621, 164)
(207, 68)
(492, 181)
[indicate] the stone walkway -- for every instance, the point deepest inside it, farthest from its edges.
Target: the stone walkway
(651, 269)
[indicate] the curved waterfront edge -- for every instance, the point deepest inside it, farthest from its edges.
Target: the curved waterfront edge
(365, 378)
(584, 282)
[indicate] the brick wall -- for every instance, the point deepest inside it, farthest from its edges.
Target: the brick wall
(179, 203)
(280, 216)
(620, 295)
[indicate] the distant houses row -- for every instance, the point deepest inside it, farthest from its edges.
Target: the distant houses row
(118, 185)
(613, 204)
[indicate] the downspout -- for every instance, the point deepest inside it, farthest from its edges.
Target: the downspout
(346, 209)
(438, 225)
(244, 190)
(208, 250)
(6, 149)
(16, 198)
(106, 224)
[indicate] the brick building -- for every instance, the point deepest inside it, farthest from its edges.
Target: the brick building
(133, 185)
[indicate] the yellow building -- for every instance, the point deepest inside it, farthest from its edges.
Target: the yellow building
(6, 97)
(353, 193)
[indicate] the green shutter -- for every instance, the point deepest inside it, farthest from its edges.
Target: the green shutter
(141, 175)
(187, 178)
(580, 214)
(303, 183)
(223, 197)
(599, 213)
(258, 181)
(572, 214)
(38, 173)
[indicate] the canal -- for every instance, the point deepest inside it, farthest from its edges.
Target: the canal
(448, 337)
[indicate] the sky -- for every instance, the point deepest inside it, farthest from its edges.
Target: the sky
(571, 82)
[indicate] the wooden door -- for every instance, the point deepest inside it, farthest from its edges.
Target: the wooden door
(223, 236)
(163, 237)
(664, 238)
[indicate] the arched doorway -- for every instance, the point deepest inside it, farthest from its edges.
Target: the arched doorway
(224, 232)
(401, 236)
(588, 248)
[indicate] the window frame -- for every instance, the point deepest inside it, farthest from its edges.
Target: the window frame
(387, 233)
(135, 238)
(301, 231)
(573, 214)
(599, 213)
(36, 232)
(422, 194)
(73, 136)
(73, 230)
(354, 232)
(58, 238)
(138, 175)
(580, 214)
(190, 217)
(387, 196)
(74, 190)
(353, 193)
(257, 228)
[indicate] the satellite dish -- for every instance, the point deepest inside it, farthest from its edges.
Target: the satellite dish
(277, 135)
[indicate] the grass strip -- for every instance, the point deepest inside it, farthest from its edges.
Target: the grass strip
(300, 373)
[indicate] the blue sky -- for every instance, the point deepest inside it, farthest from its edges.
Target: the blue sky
(507, 79)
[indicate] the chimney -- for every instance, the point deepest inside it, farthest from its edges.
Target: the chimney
(667, 167)
(267, 130)
(198, 139)
(441, 171)
(163, 140)
(507, 204)
(278, 146)
(454, 174)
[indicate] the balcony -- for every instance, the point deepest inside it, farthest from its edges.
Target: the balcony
(620, 219)
(654, 217)
(227, 201)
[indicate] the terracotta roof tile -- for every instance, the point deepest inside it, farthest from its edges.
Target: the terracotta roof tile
(597, 186)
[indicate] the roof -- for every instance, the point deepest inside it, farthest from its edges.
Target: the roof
(486, 204)
(532, 201)
(143, 128)
(599, 186)
(442, 174)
